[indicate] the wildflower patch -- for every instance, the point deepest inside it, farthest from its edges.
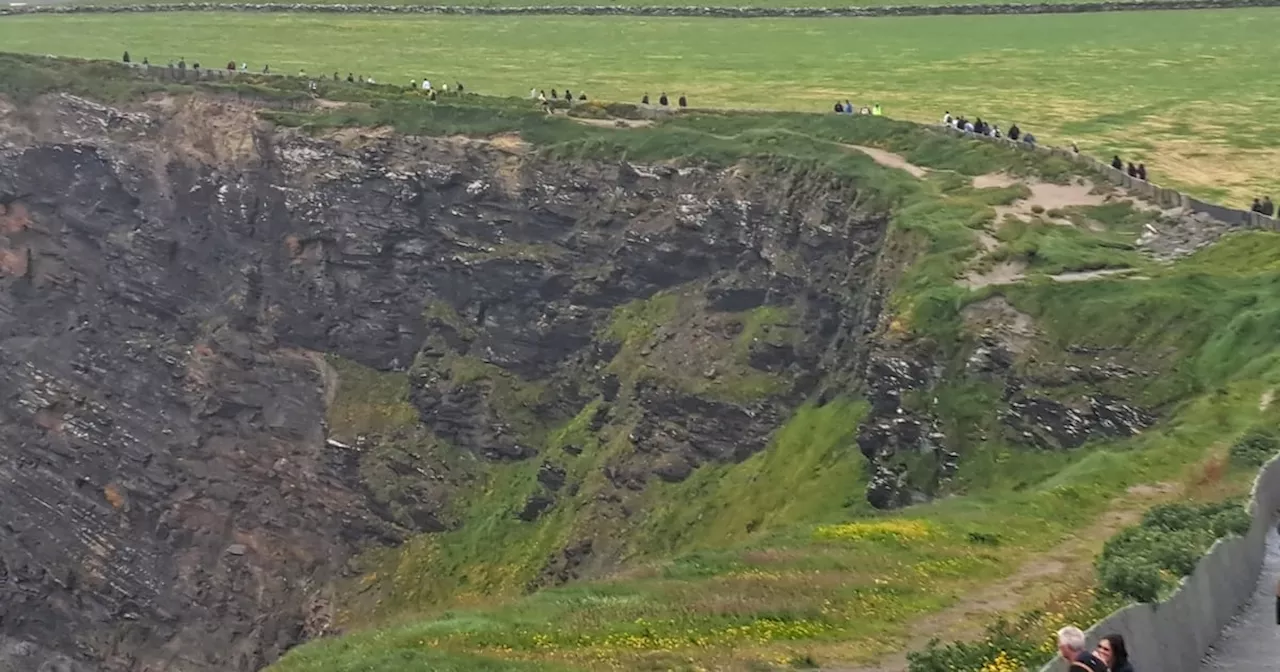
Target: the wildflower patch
(898, 529)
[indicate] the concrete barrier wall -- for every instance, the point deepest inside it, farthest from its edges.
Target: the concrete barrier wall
(1174, 635)
(1165, 198)
(618, 10)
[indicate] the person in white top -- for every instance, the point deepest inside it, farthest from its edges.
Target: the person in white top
(946, 118)
(426, 84)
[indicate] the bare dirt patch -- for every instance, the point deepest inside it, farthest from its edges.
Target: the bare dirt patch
(996, 316)
(14, 218)
(14, 262)
(994, 181)
(1046, 197)
(511, 143)
(1082, 276)
(890, 160)
(615, 123)
(1002, 273)
(1267, 397)
(356, 137)
(213, 131)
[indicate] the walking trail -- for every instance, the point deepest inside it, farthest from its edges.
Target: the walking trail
(1251, 643)
(1033, 582)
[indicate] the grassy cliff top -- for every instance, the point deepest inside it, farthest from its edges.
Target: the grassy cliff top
(1176, 90)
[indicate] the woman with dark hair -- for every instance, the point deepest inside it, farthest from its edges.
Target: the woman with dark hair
(1111, 650)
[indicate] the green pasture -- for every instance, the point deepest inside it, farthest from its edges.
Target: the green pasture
(1190, 93)
(646, 3)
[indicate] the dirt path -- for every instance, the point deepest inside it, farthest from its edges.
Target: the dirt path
(1031, 584)
(1044, 198)
(1003, 273)
(1081, 276)
(889, 159)
(614, 123)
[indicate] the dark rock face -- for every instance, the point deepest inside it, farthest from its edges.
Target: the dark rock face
(170, 275)
(1049, 424)
(893, 435)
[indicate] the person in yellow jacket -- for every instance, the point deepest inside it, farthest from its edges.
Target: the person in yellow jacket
(876, 110)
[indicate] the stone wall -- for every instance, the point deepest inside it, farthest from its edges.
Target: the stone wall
(620, 10)
(1173, 635)
(1165, 198)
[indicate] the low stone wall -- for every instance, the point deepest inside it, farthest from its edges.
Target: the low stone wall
(1165, 198)
(1174, 635)
(619, 10)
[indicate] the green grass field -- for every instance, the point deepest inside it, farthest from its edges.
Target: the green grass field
(648, 3)
(1189, 93)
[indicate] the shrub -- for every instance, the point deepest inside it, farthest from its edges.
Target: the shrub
(1136, 578)
(1142, 561)
(1254, 448)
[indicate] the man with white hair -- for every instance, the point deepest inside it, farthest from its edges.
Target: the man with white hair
(1073, 648)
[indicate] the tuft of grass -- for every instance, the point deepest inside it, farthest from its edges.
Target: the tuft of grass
(369, 402)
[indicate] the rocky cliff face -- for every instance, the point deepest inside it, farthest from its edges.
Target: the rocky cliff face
(176, 280)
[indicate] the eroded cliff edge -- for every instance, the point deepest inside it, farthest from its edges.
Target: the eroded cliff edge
(179, 279)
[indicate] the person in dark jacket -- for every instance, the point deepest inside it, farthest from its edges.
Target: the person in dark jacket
(1014, 132)
(1133, 170)
(1111, 651)
(1142, 172)
(645, 100)
(1073, 649)
(126, 57)
(1117, 163)
(662, 100)
(1268, 208)
(1256, 207)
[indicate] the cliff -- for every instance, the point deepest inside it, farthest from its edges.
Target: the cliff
(265, 376)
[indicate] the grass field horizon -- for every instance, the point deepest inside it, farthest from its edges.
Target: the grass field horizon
(1177, 90)
(634, 3)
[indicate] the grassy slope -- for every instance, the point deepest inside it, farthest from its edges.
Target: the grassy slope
(776, 561)
(1178, 90)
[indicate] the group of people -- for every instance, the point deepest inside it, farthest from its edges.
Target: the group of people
(663, 101)
(847, 108)
(1110, 655)
(1264, 207)
(541, 95)
(980, 127)
(425, 89)
(1138, 172)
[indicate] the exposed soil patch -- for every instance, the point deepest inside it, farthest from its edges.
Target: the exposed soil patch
(1081, 276)
(1046, 197)
(994, 181)
(1014, 328)
(1003, 273)
(615, 123)
(890, 159)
